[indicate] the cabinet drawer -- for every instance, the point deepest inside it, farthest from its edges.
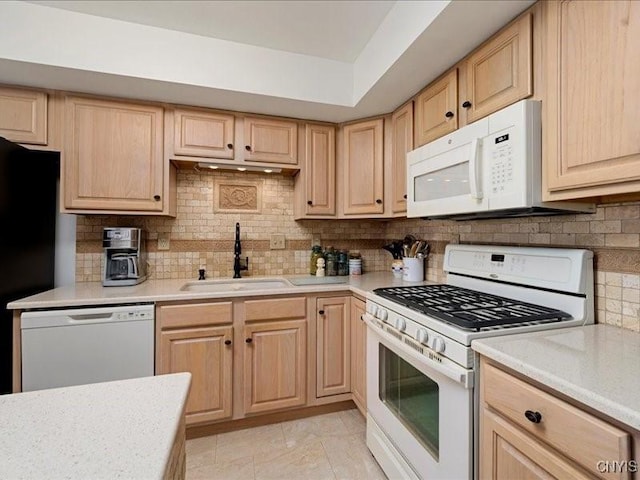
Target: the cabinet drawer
(573, 432)
(275, 309)
(195, 315)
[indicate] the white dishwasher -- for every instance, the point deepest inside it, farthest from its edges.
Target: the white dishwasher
(61, 348)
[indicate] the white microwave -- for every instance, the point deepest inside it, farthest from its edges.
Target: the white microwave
(487, 169)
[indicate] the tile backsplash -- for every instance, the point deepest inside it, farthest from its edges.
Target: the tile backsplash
(210, 204)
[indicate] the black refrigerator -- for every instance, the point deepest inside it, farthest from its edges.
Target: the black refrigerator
(28, 211)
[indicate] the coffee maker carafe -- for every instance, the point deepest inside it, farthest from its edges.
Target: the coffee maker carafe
(125, 256)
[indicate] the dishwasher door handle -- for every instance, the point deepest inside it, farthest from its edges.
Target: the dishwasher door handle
(89, 317)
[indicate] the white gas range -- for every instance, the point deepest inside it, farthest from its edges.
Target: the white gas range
(421, 370)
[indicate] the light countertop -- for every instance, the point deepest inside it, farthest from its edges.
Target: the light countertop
(596, 365)
(122, 429)
(93, 293)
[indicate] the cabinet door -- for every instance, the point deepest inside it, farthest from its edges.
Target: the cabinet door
(592, 111)
(333, 334)
(499, 73)
(203, 134)
(320, 170)
(402, 124)
(206, 353)
(363, 168)
(23, 116)
(507, 453)
(358, 355)
(270, 140)
(436, 109)
(275, 365)
(113, 156)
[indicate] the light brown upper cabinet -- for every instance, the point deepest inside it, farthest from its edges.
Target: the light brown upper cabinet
(363, 167)
(23, 116)
(436, 109)
(498, 73)
(113, 157)
(316, 183)
(591, 139)
(402, 142)
(201, 133)
(268, 140)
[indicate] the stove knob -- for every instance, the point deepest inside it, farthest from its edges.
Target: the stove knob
(438, 345)
(401, 324)
(383, 314)
(372, 309)
(422, 336)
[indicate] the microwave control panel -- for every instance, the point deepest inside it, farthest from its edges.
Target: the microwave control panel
(501, 158)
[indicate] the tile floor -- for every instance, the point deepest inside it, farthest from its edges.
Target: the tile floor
(330, 446)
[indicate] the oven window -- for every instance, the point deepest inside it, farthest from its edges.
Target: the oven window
(411, 396)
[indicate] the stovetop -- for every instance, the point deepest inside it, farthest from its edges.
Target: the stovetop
(469, 309)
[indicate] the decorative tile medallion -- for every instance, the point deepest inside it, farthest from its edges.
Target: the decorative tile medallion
(235, 196)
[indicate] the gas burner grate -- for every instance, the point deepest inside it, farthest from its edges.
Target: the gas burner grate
(468, 308)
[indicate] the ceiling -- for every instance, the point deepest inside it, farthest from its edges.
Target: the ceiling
(322, 60)
(337, 30)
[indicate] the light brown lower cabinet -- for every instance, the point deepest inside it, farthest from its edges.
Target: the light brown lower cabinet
(189, 340)
(529, 433)
(509, 453)
(264, 355)
(358, 355)
(275, 365)
(333, 345)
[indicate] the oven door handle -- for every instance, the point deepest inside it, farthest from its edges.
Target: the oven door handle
(459, 375)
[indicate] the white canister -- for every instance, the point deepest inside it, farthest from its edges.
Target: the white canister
(412, 269)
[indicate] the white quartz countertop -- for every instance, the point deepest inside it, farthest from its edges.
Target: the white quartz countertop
(93, 293)
(596, 365)
(122, 429)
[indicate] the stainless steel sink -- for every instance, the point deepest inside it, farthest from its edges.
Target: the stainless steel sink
(235, 285)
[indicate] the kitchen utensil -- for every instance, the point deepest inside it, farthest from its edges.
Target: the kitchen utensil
(392, 249)
(414, 249)
(409, 239)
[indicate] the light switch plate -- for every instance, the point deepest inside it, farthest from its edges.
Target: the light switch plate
(163, 241)
(276, 242)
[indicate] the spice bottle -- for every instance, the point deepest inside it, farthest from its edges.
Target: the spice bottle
(331, 262)
(343, 263)
(316, 253)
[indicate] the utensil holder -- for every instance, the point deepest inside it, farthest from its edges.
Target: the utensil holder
(412, 269)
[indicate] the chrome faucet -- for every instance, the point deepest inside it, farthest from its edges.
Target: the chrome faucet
(238, 264)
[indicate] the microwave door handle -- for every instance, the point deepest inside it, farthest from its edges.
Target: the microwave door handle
(474, 169)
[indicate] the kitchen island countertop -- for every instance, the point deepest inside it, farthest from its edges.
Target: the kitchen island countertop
(110, 430)
(94, 294)
(595, 365)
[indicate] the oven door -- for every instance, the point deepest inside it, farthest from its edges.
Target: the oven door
(420, 412)
(445, 176)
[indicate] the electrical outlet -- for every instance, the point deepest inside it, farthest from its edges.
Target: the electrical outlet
(163, 241)
(277, 242)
